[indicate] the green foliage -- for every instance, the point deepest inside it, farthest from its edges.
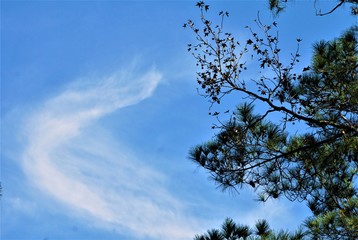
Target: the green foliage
(337, 223)
(232, 231)
(318, 166)
(262, 228)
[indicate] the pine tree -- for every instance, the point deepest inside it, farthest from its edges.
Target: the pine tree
(277, 6)
(232, 231)
(318, 166)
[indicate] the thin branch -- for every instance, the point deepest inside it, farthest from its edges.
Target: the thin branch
(334, 9)
(293, 152)
(321, 123)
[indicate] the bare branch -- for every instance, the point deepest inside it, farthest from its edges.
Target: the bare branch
(333, 9)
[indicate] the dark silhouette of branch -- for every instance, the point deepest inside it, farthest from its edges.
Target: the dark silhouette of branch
(333, 9)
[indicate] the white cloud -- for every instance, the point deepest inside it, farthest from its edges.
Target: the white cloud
(70, 158)
(280, 214)
(21, 205)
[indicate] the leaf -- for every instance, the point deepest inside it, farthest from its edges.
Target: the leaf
(306, 69)
(200, 4)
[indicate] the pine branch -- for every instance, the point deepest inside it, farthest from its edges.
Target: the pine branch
(334, 9)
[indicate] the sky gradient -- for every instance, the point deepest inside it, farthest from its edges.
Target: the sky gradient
(99, 109)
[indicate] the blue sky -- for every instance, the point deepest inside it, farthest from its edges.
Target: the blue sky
(99, 110)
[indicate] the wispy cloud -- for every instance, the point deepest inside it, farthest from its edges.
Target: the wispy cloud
(69, 157)
(275, 211)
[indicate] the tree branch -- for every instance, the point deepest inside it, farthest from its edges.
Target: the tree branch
(334, 9)
(321, 123)
(334, 138)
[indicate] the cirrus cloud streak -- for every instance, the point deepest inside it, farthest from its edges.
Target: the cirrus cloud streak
(73, 160)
